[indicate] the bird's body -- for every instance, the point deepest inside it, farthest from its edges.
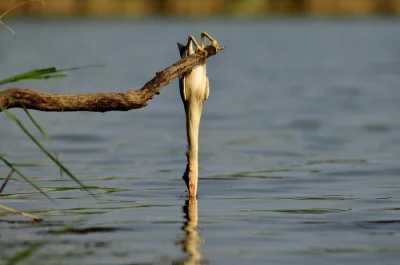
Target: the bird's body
(194, 89)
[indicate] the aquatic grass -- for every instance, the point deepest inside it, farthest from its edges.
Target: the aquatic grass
(337, 161)
(31, 118)
(79, 211)
(87, 210)
(273, 174)
(27, 164)
(6, 180)
(326, 198)
(5, 161)
(307, 211)
(85, 230)
(302, 211)
(243, 175)
(333, 251)
(11, 9)
(91, 212)
(88, 188)
(41, 147)
(24, 254)
(7, 194)
(38, 74)
(392, 209)
(44, 73)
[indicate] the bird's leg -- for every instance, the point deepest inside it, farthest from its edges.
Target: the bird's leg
(214, 42)
(191, 40)
(203, 40)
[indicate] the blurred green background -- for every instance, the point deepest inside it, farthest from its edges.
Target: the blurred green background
(200, 8)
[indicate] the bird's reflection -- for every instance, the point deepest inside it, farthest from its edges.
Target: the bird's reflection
(191, 242)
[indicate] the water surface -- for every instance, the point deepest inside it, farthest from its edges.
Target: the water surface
(299, 146)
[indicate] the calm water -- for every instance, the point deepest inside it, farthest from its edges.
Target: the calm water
(299, 146)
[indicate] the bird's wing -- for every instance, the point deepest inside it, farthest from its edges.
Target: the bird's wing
(207, 90)
(182, 88)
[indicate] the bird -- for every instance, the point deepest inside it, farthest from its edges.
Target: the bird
(194, 88)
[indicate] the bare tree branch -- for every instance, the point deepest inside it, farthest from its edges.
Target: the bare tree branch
(102, 102)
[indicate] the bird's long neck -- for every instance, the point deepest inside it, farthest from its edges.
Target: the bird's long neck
(193, 115)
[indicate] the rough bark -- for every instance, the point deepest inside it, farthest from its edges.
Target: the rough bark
(102, 102)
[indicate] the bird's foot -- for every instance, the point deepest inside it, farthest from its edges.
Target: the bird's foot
(198, 47)
(214, 42)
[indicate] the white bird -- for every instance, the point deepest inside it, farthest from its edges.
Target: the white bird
(194, 88)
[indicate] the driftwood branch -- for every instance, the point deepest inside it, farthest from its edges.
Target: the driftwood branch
(102, 102)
